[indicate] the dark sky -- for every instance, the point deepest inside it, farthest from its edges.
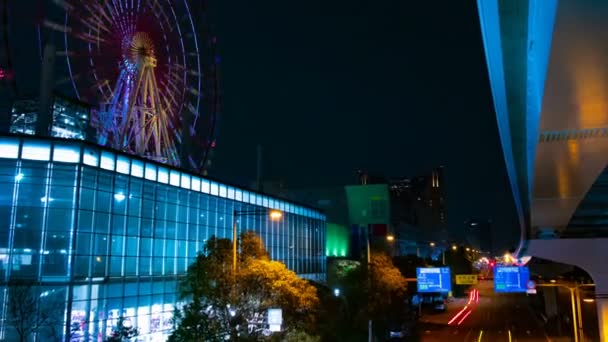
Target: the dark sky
(328, 87)
(395, 87)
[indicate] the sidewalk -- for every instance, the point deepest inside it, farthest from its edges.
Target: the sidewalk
(443, 318)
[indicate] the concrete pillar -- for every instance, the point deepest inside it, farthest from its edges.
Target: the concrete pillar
(588, 254)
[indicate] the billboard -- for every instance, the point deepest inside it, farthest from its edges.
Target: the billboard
(433, 279)
(511, 279)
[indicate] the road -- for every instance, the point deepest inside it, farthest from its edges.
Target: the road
(493, 317)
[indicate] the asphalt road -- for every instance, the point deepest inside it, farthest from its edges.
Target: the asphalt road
(494, 317)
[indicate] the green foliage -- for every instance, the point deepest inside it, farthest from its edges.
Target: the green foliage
(122, 332)
(215, 291)
(300, 336)
(376, 292)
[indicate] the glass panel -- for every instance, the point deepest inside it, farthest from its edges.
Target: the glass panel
(122, 164)
(137, 168)
(214, 187)
(230, 193)
(196, 184)
(222, 190)
(238, 195)
(150, 172)
(107, 160)
(90, 156)
(205, 186)
(66, 153)
(174, 178)
(35, 150)
(163, 175)
(9, 148)
(185, 181)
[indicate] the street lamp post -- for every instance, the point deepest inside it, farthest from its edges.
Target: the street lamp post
(274, 215)
(577, 322)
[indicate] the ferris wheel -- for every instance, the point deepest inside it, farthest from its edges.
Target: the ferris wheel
(143, 66)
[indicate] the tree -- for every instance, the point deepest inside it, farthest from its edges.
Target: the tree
(376, 292)
(122, 331)
(29, 312)
(223, 302)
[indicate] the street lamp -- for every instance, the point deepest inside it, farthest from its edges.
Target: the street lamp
(432, 244)
(454, 247)
(390, 238)
(274, 215)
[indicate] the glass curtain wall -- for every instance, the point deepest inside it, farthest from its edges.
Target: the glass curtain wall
(105, 235)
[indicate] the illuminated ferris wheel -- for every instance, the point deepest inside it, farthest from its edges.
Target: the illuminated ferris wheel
(151, 79)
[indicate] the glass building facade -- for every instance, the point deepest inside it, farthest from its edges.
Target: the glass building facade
(108, 235)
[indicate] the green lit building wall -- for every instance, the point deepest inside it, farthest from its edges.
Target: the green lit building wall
(337, 240)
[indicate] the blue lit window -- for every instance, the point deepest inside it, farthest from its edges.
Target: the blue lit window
(163, 175)
(174, 178)
(258, 199)
(245, 196)
(36, 150)
(9, 148)
(230, 193)
(222, 190)
(195, 184)
(265, 202)
(122, 165)
(66, 153)
(90, 156)
(107, 160)
(214, 188)
(185, 181)
(253, 198)
(205, 186)
(238, 195)
(150, 172)
(137, 168)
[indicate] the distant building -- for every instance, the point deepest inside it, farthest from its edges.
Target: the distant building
(418, 207)
(417, 210)
(70, 118)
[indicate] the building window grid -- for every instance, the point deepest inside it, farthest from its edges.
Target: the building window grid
(285, 230)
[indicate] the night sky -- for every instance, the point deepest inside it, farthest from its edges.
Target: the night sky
(394, 87)
(328, 87)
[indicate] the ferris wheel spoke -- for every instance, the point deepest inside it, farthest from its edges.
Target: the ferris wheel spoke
(63, 4)
(56, 27)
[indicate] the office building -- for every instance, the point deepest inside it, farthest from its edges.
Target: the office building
(70, 118)
(105, 234)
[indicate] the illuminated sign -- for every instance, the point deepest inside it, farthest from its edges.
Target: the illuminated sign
(511, 279)
(433, 279)
(466, 279)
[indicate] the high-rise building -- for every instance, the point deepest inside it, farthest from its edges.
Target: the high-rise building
(70, 118)
(417, 212)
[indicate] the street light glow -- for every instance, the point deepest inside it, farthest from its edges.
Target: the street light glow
(275, 215)
(454, 247)
(390, 238)
(432, 244)
(588, 300)
(468, 249)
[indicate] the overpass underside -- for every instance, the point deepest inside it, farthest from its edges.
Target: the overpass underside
(548, 67)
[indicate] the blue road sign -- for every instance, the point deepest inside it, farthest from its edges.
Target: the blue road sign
(511, 278)
(433, 279)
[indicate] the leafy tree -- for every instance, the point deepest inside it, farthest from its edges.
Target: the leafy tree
(223, 302)
(122, 331)
(376, 292)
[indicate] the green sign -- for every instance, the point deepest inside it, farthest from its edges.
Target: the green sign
(368, 204)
